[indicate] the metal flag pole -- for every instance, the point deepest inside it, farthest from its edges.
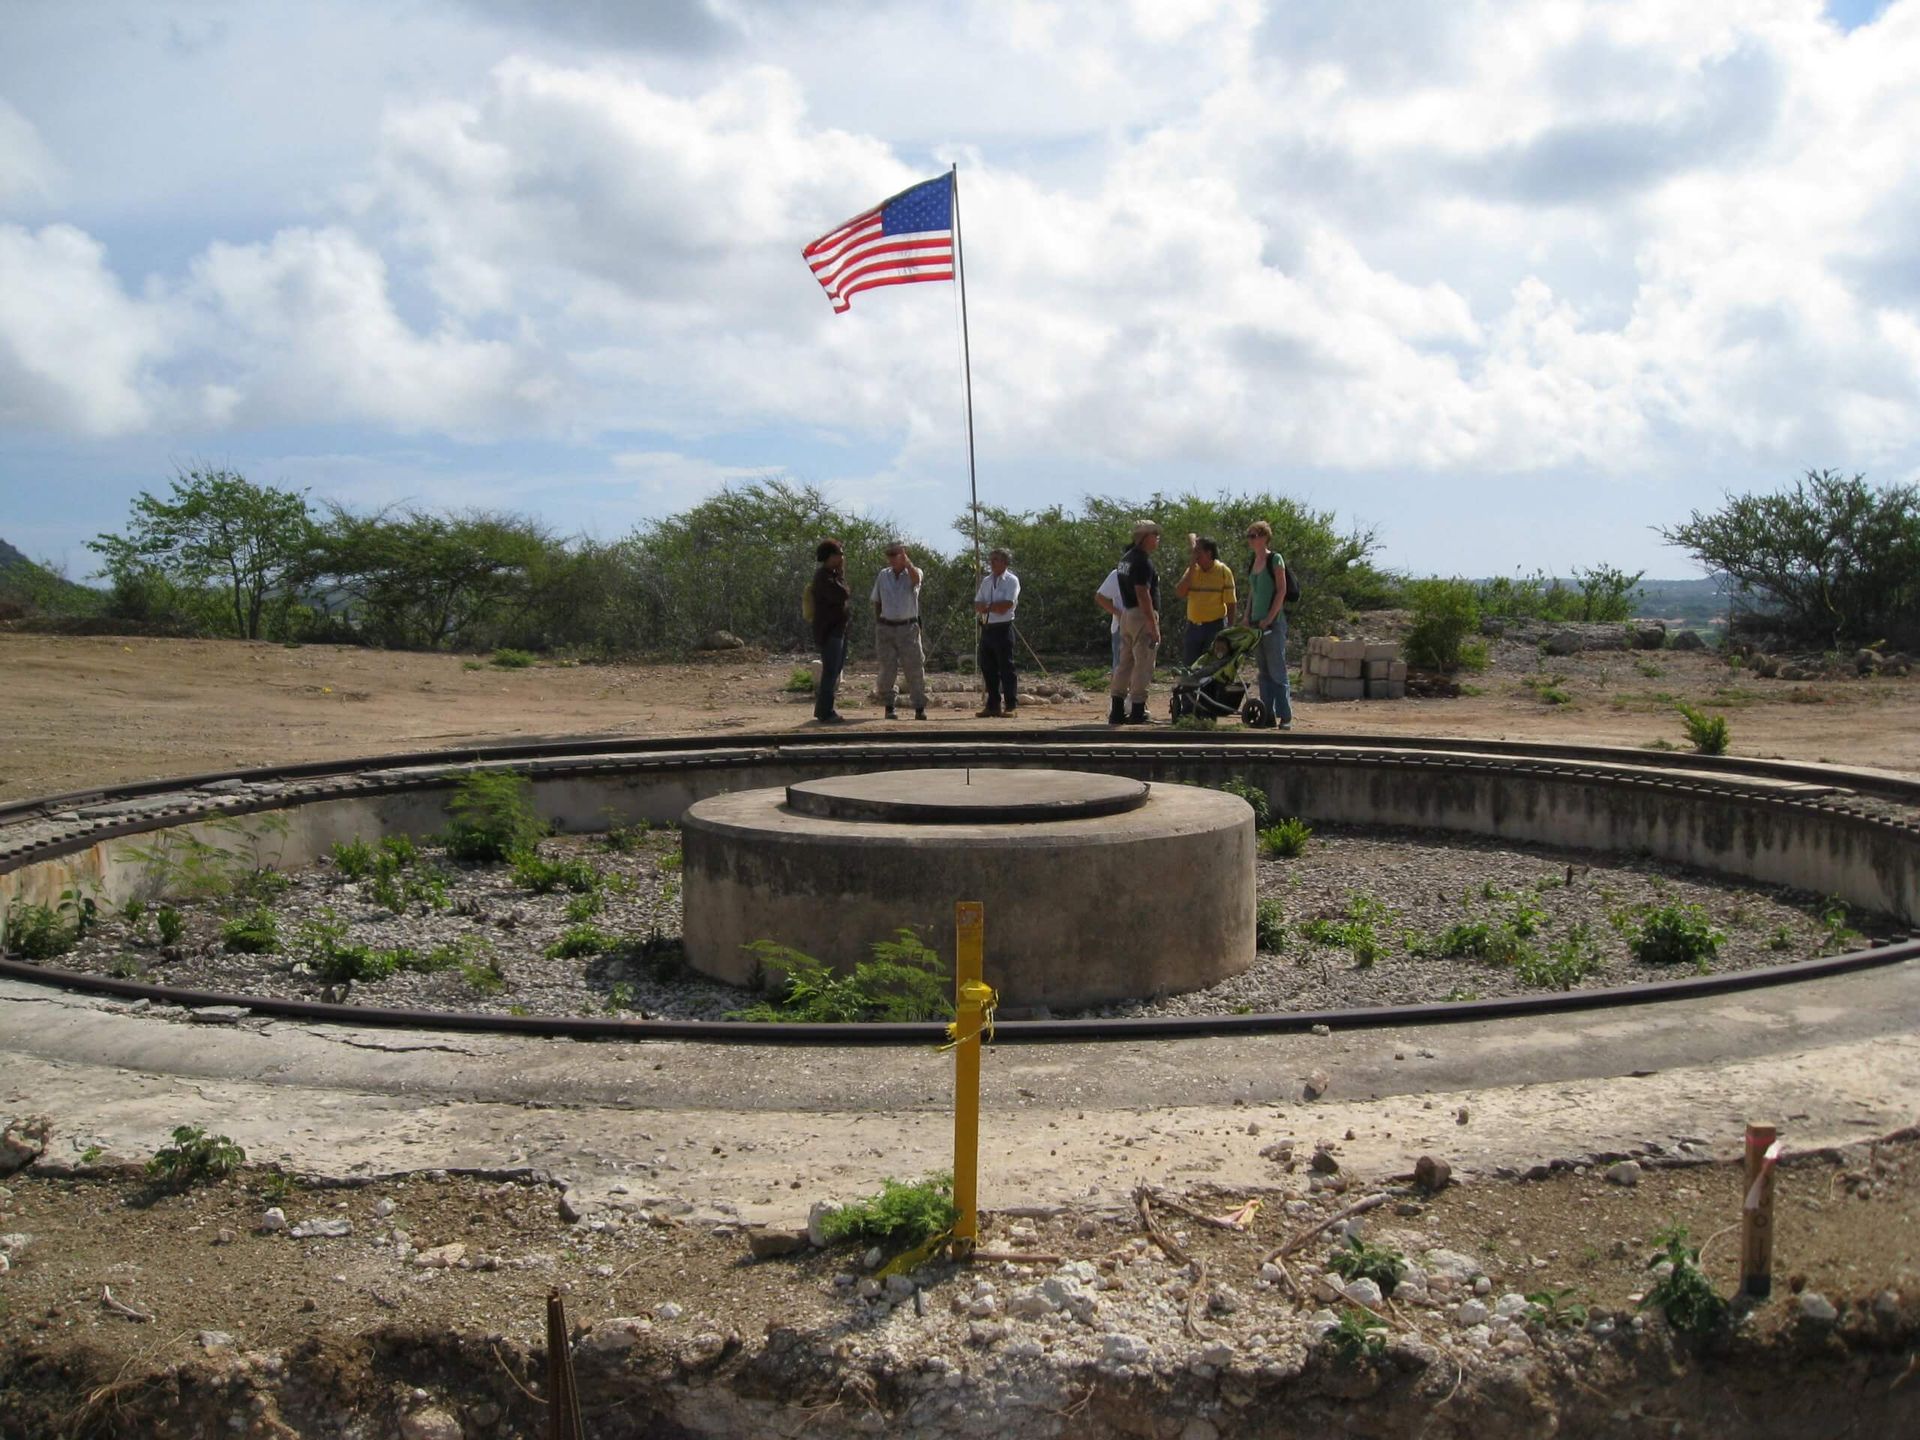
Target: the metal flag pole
(966, 363)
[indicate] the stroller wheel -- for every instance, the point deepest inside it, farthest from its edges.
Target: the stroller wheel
(1253, 714)
(1179, 703)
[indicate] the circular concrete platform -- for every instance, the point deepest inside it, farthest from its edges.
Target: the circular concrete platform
(1086, 901)
(967, 797)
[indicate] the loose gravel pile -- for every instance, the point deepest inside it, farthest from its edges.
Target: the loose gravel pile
(1405, 888)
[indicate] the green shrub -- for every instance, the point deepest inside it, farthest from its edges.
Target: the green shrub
(509, 659)
(1270, 926)
(1684, 1294)
(901, 1216)
(1566, 963)
(1445, 613)
(1556, 1309)
(1836, 923)
(1474, 655)
(400, 848)
(1358, 1335)
(1092, 678)
(624, 839)
(254, 933)
(37, 932)
(353, 858)
(1196, 722)
(1675, 934)
(800, 682)
(1360, 1261)
(487, 978)
(577, 874)
(492, 816)
(194, 1156)
(1354, 932)
(1254, 795)
(1707, 732)
(170, 924)
(902, 982)
(582, 908)
(579, 940)
(1286, 840)
(133, 914)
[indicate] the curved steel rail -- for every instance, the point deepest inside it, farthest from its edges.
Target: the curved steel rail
(321, 779)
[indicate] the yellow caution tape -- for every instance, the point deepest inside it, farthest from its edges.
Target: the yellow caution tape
(974, 993)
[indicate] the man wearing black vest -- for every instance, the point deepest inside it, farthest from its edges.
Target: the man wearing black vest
(1139, 628)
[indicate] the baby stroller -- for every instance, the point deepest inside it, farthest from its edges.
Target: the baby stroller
(1212, 688)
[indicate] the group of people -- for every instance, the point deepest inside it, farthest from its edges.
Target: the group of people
(896, 612)
(1130, 595)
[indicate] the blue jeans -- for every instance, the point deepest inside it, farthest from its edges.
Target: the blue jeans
(833, 659)
(1273, 672)
(1199, 637)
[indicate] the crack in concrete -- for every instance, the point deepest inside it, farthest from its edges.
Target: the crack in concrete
(396, 1049)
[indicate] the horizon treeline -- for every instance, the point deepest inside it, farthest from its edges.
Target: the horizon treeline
(1826, 561)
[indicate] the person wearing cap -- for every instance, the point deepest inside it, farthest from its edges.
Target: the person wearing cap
(832, 615)
(1207, 587)
(896, 640)
(994, 602)
(1139, 627)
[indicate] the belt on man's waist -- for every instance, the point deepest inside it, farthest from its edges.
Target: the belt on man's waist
(910, 620)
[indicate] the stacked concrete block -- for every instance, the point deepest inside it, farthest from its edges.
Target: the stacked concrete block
(1353, 670)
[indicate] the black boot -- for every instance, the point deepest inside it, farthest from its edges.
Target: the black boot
(1118, 714)
(1138, 715)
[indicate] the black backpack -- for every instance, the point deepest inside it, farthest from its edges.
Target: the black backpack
(1293, 582)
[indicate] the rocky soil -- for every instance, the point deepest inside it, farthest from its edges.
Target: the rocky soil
(414, 1305)
(502, 948)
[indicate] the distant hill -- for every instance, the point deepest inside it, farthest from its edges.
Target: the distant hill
(29, 588)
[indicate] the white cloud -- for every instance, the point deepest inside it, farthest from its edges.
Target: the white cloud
(76, 352)
(28, 171)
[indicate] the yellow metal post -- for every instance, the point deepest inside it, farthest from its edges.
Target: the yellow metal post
(969, 924)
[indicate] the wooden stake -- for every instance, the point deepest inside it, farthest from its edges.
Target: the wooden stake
(563, 1398)
(1756, 1212)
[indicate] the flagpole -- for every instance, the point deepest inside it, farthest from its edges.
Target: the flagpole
(966, 362)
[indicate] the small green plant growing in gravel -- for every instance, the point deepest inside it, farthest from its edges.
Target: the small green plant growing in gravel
(1270, 926)
(1360, 1260)
(619, 997)
(400, 849)
(492, 817)
(1780, 939)
(799, 681)
(37, 932)
(1357, 1336)
(487, 978)
(580, 940)
(903, 981)
(126, 967)
(623, 839)
(1837, 932)
(1255, 796)
(276, 1185)
(577, 874)
(134, 915)
(509, 659)
(903, 1214)
(582, 908)
(1707, 732)
(254, 933)
(194, 1156)
(353, 859)
(1092, 677)
(1525, 916)
(1556, 1309)
(169, 924)
(1675, 934)
(1355, 931)
(1684, 1294)
(1565, 964)
(1286, 840)
(1196, 722)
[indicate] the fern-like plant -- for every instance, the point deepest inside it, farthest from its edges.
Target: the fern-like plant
(902, 982)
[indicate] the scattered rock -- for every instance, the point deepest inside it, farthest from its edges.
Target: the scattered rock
(14, 1242)
(430, 1424)
(1462, 1115)
(1364, 1292)
(1649, 637)
(441, 1257)
(23, 1141)
(1564, 642)
(382, 1208)
(1279, 1150)
(667, 1311)
(1120, 1349)
(816, 1221)
(573, 1209)
(621, 1333)
(1324, 1163)
(1511, 1306)
(322, 1228)
(224, 1236)
(215, 1340)
(1816, 1308)
(1470, 1313)
(1624, 1172)
(1315, 1085)
(273, 1221)
(1686, 640)
(770, 1244)
(722, 640)
(1432, 1175)
(705, 1349)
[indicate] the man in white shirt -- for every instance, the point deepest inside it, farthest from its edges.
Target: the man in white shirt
(994, 602)
(896, 636)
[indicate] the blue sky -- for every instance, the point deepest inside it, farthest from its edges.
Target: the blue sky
(1511, 283)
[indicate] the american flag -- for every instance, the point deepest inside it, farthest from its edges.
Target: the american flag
(901, 241)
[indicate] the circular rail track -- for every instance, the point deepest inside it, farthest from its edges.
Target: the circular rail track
(1854, 834)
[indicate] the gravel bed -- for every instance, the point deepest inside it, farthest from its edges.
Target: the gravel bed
(1429, 881)
(1426, 882)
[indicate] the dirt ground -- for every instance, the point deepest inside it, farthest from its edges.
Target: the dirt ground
(77, 711)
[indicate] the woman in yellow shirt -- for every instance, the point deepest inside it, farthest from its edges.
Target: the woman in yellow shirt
(1208, 588)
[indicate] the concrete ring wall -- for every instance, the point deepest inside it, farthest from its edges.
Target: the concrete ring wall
(1154, 901)
(1815, 838)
